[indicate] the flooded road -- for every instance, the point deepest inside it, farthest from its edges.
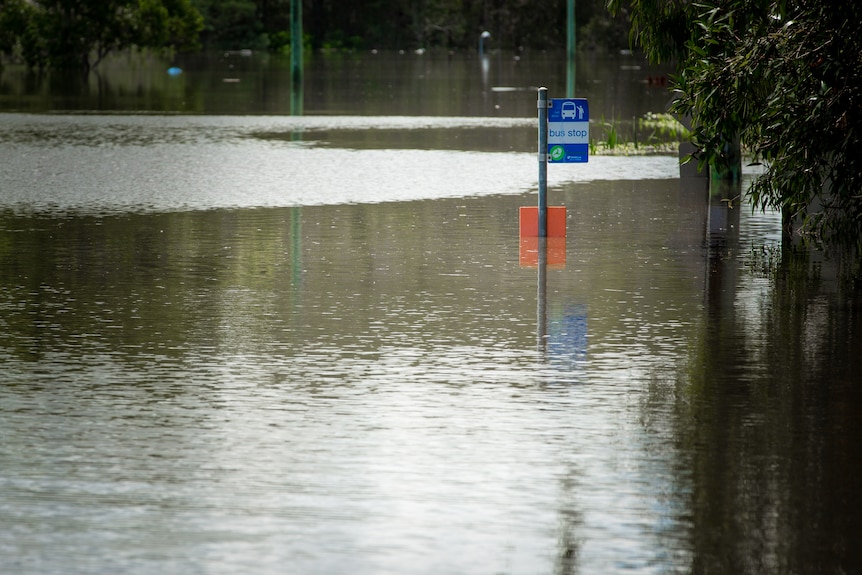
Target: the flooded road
(270, 344)
(158, 163)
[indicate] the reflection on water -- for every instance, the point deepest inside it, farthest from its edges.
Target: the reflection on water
(358, 387)
(359, 84)
(257, 344)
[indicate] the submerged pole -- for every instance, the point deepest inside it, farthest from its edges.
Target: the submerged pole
(485, 35)
(542, 104)
(542, 297)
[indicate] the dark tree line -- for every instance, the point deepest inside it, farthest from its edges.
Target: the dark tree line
(80, 33)
(405, 24)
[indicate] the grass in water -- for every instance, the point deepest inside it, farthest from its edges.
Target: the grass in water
(663, 134)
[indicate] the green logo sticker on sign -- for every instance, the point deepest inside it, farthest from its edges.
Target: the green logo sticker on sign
(557, 153)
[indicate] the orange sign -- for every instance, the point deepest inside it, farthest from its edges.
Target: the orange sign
(556, 221)
(555, 250)
(555, 243)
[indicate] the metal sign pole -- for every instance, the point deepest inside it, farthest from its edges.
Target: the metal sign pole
(542, 296)
(542, 105)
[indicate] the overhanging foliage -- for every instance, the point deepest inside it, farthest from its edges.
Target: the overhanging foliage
(786, 78)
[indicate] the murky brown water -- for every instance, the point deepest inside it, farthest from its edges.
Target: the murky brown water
(309, 345)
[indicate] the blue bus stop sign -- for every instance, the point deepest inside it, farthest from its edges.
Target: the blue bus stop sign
(568, 130)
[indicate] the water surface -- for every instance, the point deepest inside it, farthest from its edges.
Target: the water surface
(311, 344)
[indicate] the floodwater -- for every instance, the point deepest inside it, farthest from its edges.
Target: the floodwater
(263, 343)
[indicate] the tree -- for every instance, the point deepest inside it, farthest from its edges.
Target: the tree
(786, 78)
(232, 24)
(174, 24)
(17, 31)
(80, 33)
(10, 22)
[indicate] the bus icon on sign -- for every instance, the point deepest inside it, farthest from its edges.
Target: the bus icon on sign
(568, 111)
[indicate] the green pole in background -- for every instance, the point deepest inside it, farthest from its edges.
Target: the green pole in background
(296, 57)
(570, 50)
